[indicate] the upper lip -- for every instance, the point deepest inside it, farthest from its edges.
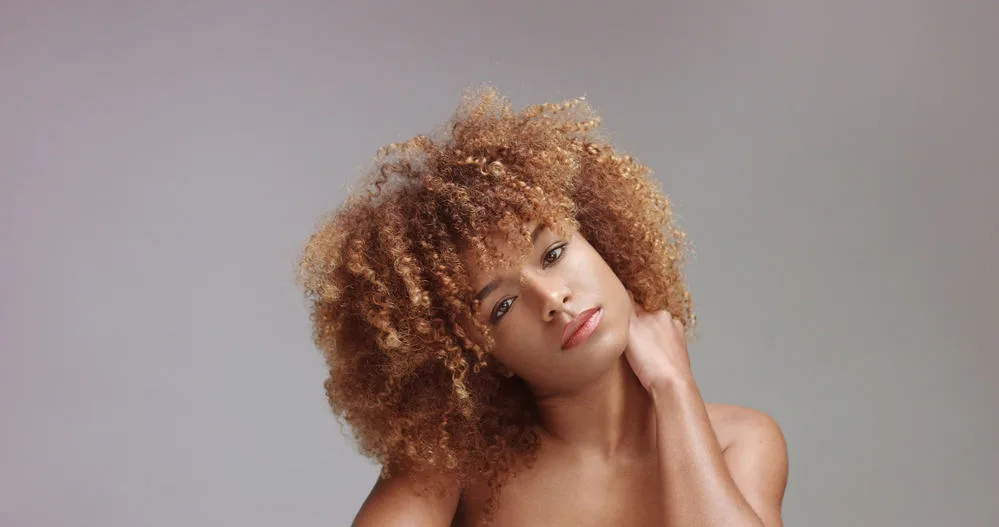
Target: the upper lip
(574, 324)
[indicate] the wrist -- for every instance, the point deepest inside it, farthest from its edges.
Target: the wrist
(671, 390)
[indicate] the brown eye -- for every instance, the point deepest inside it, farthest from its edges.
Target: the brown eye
(551, 257)
(557, 251)
(500, 310)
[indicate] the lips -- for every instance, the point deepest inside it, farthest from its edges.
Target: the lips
(575, 323)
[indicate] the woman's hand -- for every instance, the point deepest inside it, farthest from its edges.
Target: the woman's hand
(657, 349)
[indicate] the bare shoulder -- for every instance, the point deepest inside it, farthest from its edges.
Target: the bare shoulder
(755, 453)
(738, 424)
(410, 499)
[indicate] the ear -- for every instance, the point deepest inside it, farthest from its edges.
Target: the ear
(504, 371)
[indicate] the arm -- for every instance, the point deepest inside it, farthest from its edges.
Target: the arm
(704, 485)
(400, 501)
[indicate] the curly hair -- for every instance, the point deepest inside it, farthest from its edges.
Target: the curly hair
(389, 292)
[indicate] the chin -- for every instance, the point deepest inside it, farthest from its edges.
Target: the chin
(611, 345)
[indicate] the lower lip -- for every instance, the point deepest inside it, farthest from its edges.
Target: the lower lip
(584, 331)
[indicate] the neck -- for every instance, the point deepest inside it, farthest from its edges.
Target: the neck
(611, 416)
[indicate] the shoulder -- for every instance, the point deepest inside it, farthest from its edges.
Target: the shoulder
(735, 424)
(755, 453)
(410, 498)
(752, 443)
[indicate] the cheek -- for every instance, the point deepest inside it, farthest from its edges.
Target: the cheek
(517, 348)
(618, 300)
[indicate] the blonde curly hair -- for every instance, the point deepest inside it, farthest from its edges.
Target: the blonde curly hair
(389, 292)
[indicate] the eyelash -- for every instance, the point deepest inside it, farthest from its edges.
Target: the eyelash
(561, 248)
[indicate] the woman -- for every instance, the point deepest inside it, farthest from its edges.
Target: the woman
(505, 321)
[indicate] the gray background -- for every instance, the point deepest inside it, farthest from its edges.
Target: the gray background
(835, 164)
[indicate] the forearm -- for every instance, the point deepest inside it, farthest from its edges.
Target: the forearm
(698, 489)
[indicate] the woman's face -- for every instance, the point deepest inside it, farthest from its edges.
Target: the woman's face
(528, 308)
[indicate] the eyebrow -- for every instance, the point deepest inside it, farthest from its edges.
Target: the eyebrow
(494, 283)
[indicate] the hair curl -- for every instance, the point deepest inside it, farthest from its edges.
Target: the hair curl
(389, 293)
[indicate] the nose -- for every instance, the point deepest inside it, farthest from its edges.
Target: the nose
(551, 292)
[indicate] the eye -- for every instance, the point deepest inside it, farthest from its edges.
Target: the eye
(500, 310)
(551, 258)
(557, 251)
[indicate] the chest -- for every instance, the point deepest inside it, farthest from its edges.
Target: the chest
(573, 492)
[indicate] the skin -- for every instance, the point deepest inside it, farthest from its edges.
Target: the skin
(562, 277)
(625, 437)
